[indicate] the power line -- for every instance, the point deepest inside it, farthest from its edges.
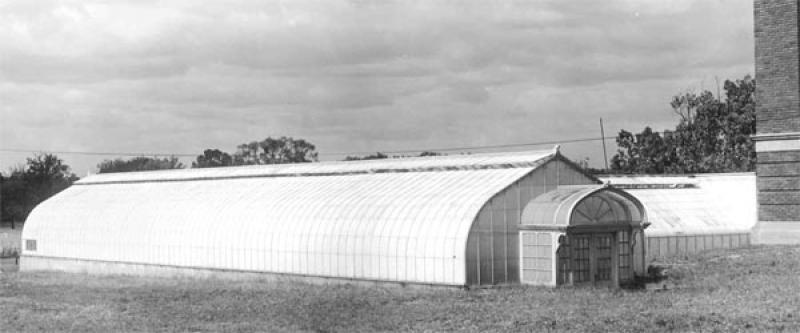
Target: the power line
(405, 151)
(511, 145)
(68, 152)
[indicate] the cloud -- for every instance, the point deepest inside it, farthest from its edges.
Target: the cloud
(366, 75)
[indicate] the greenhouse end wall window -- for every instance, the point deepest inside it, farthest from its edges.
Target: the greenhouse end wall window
(30, 244)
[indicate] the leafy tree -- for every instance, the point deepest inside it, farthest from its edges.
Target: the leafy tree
(26, 186)
(247, 154)
(646, 152)
(379, 155)
(711, 136)
(376, 156)
(684, 104)
(739, 125)
(141, 163)
(275, 151)
(213, 158)
(46, 174)
(16, 197)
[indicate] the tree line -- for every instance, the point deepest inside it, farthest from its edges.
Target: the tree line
(268, 151)
(25, 186)
(42, 176)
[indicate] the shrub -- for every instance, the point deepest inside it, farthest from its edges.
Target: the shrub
(9, 252)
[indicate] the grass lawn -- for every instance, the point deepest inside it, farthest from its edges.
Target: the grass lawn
(755, 289)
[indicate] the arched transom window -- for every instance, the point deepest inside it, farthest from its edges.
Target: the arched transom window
(583, 206)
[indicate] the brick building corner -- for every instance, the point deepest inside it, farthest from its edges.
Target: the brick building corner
(777, 53)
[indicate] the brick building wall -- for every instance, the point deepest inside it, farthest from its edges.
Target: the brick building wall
(777, 51)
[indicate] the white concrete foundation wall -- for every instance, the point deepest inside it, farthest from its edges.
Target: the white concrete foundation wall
(665, 246)
(38, 263)
(773, 232)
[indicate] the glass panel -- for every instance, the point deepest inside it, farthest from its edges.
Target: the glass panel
(606, 214)
(537, 257)
(580, 216)
(631, 208)
(564, 257)
(603, 252)
(620, 211)
(599, 208)
(580, 258)
(625, 256)
(485, 258)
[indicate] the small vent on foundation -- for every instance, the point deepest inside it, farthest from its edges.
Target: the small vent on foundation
(30, 245)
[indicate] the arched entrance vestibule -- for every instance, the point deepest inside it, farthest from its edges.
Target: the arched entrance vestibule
(582, 235)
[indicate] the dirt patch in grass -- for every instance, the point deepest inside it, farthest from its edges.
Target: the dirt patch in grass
(752, 289)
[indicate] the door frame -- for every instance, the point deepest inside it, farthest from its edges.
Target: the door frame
(594, 233)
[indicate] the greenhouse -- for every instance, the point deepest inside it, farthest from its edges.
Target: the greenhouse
(462, 220)
(694, 213)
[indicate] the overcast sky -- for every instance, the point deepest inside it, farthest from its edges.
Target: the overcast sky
(183, 76)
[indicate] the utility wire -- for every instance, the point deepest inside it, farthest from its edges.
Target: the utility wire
(464, 148)
(67, 152)
(540, 143)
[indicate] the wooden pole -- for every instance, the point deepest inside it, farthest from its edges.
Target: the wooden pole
(603, 136)
(1, 199)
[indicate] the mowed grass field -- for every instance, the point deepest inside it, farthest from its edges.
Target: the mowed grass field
(755, 289)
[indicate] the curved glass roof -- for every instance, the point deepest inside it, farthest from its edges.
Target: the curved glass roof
(583, 205)
(386, 220)
(694, 204)
(484, 161)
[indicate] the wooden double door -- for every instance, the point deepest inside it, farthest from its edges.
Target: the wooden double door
(596, 258)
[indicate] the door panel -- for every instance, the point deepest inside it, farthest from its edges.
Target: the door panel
(581, 260)
(603, 258)
(625, 256)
